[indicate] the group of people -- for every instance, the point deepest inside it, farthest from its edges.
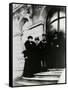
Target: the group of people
(35, 56)
(41, 54)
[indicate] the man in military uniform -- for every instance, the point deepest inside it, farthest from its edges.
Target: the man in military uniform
(29, 57)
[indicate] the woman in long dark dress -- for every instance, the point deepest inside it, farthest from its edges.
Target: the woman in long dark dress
(29, 60)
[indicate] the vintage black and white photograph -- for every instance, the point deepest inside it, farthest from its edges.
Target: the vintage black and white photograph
(39, 44)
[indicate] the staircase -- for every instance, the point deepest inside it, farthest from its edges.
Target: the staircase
(52, 76)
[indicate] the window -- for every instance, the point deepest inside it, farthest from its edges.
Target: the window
(58, 21)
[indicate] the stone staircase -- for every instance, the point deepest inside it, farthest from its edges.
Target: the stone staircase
(52, 76)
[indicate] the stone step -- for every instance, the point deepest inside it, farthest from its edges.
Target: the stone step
(49, 73)
(42, 78)
(27, 82)
(55, 69)
(37, 81)
(36, 78)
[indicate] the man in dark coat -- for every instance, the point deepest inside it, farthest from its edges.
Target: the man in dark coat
(54, 47)
(43, 47)
(29, 57)
(37, 56)
(59, 50)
